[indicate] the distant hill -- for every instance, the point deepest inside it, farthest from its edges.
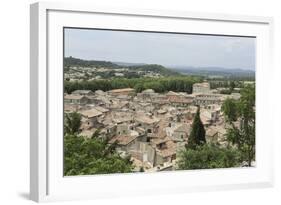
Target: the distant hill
(209, 72)
(70, 61)
(155, 68)
(128, 64)
(215, 72)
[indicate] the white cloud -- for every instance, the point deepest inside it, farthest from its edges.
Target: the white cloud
(161, 48)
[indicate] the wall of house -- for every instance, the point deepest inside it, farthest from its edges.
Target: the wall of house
(122, 129)
(179, 136)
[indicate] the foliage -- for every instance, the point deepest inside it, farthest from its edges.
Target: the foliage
(219, 84)
(230, 84)
(197, 135)
(242, 133)
(70, 61)
(86, 156)
(173, 83)
(72, 123)
(208, 156)
(230, 109)
(225, 92)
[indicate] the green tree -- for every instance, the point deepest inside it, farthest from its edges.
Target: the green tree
(242, 132)
(230, 109)
(231, 86)
(86, 156)
(208, 156)
(72, 123)
(197, 135)
(164, 84)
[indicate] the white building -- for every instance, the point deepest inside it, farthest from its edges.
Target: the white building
(201, 87)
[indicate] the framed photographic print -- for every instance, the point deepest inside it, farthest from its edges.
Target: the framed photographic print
(131, 102)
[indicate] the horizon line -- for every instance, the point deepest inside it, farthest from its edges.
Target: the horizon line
(167, 66)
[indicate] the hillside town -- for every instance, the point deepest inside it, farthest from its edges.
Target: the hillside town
(80, 73)
(149, 127)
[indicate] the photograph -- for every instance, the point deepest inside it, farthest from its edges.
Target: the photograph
(148, 101)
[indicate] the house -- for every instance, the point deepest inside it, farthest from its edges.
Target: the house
(110, 130)
(201, 87)
(171, 94)
(210, 115)
(101, 109)
(100, 92)
(117, 104)
(122, 117)
(216, 134)
(124, 142)
(179, 101)
(90, 118)
(166, 153)
(83, 92)
(140, 165)
(160, 100)
(68, 108)
(122, 91)
(178, 132)
(147, 95)
(91, 113)
(181, 132)
(144, 106)
(76, 99)
(207, 99)
(122, 129)
(143, 152)
(146, 122)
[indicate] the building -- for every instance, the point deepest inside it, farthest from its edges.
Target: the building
(90, 118)
(216, 134)
(166, 151)
(83, 92)
(201, 87)
(147, 95)
(180, 101)
(149, 127)
(181, 132)
(146, 122)
(76, 99)
(208, 99)
(123, 91)
(68, 108)
(124, 143)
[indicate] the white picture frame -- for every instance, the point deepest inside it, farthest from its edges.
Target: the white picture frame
(46, 178)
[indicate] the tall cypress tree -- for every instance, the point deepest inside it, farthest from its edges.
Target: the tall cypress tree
(197, 135)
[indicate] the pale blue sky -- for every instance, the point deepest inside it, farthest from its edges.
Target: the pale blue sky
(161, 48)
